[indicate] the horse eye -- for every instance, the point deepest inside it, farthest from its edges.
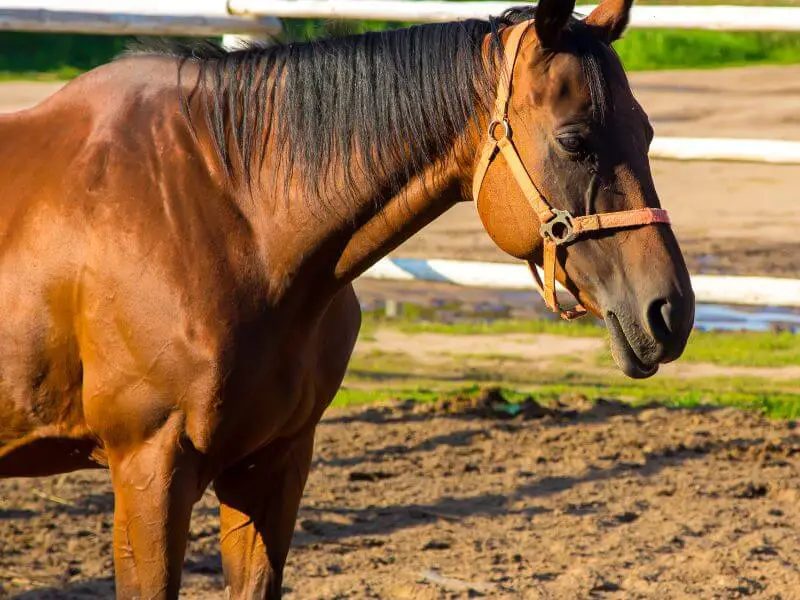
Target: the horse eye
(572, 143)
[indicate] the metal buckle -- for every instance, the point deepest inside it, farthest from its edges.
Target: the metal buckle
(560, 229)
(494, 125)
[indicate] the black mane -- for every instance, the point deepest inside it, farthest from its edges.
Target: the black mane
(374, 109)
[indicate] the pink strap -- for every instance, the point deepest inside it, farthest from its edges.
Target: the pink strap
(620, 220)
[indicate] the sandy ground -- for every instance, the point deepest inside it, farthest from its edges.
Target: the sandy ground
(430, 502)
(730, 218)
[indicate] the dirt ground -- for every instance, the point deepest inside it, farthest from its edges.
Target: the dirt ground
(450, 501)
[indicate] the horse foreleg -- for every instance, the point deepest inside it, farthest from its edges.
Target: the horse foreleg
(260, 495)
(156, 484)
(127, 582)
(259, 499)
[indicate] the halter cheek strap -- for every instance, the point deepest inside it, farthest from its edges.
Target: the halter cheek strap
(559, 227)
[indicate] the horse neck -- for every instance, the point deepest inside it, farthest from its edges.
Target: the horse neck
(319, 254)
(327, 247)
(387, 225)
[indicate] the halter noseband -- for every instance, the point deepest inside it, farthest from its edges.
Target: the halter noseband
(559, 227)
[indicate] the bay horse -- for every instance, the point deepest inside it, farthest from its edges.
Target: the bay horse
(179, 231)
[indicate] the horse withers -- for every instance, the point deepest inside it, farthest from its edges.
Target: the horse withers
(179, 231)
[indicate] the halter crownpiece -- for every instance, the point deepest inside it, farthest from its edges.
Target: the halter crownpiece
(559, 227)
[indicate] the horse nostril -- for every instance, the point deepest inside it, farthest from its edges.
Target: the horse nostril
(660, 319)
(667, 314)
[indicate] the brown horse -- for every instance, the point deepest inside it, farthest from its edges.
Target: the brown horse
(179, 231)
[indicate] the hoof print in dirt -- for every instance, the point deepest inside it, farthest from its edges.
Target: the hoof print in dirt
(312, 527)
(490, 403)
(750, 490)
(605, 586)
(626, 517)
(368, 476)
(437, 545)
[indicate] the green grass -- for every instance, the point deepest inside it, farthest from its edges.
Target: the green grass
(778, 402)
(645, 50)
(744, 349)
(379, 375)
(410, 323)
(640, 50)
(60, 74)
(60, 56)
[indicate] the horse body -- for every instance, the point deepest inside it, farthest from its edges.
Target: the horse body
(146, 327)
(184, 314)
(83, 345)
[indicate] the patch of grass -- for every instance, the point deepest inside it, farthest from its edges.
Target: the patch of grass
(745, 349)
(410, 323)
(778, 402)
(379, 375)
(348, 396)
(59, 74)
(655, 49)
(58, 55)
(397, 371)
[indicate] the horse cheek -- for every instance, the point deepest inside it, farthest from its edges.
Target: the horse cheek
(509, 218)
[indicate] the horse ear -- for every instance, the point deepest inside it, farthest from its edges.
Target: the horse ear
(610, 19)
(551, 18)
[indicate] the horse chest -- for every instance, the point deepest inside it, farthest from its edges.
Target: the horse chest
(282, 387)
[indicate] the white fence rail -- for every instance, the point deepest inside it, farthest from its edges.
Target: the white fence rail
(202, 18)
(709, 289)
(133, 24)
(730, 18)
(777, 152)
(210, 17)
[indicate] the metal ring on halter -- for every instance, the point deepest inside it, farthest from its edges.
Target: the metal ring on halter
(560, 229)
(495, 124)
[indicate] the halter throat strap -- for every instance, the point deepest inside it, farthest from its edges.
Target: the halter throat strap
(558, 227)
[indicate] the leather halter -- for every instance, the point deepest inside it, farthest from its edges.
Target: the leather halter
(559, 227)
